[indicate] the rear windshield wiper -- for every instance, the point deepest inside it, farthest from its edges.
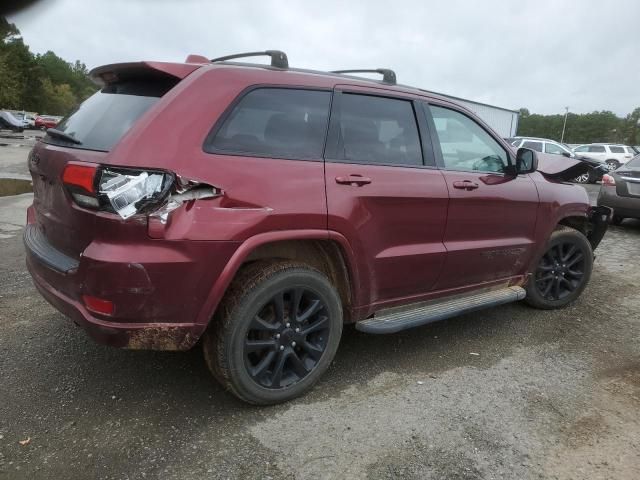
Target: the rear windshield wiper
(63, 136)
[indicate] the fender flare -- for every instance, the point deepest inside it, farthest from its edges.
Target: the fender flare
(244, 250)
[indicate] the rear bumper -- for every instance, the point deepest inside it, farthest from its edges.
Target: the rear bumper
(627, 207)
(159, 290)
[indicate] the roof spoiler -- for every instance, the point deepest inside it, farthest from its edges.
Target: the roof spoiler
(115, 72)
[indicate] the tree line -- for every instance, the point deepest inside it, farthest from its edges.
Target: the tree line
(46, 84)
(596, 127)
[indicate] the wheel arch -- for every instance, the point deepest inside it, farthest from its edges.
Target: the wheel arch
(328, 252)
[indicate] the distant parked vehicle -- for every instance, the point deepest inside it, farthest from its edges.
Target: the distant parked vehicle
(611, 154)
(44, 122)
(9, 121)
(545, 145)
(620, 190)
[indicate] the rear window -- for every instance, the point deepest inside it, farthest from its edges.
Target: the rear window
(101, 120)
(617, 149)
(276, 123)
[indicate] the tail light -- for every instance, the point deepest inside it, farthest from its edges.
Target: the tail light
(608, 180)
(123, 191)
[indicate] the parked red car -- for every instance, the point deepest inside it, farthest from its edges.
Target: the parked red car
(258, 208)
(43, 122)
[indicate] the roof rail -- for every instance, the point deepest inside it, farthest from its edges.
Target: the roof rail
(278, 58)
(388, 76)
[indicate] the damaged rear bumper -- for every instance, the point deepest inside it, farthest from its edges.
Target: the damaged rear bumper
(143, 336)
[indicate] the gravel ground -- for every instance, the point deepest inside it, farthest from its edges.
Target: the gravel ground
(508, 393)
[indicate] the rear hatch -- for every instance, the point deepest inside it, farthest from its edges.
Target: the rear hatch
(628, 179)
(85, 138)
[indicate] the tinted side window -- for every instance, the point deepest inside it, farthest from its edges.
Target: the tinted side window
(537, 146)
(616, 149)
(378, 130)
(583, 148)
(275, 122)
(466, 145)
(596, 149)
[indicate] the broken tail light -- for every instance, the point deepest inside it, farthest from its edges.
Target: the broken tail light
(123, 191)
(608, 180)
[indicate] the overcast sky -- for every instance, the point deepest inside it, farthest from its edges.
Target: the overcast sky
(542, 54)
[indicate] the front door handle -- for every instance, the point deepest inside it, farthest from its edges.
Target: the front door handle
(465, 185)
(353, 180)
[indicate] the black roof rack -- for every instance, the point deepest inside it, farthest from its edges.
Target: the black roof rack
(388, 76)
(278, 58)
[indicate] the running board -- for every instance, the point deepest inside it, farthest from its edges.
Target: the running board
(395, 319)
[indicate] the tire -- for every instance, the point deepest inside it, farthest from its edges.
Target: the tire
(248, 342)
(612, 165)
(563, 272)
(616, 220)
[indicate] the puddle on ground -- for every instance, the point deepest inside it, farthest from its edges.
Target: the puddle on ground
(14, 186)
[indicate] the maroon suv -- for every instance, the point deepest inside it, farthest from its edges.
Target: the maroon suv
(258, 208)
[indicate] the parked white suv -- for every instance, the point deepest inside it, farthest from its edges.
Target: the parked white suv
(611, 154)
(541, 145)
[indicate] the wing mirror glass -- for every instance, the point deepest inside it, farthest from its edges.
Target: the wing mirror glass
(526, 160)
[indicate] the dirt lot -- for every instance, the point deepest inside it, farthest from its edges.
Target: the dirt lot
(504, 393)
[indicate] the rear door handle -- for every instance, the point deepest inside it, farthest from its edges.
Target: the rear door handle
(465, 185)
(354, 180)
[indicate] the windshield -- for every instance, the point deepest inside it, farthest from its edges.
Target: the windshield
(101, 120)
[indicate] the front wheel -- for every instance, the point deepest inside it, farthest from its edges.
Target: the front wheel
(563, 271)
(276, 332)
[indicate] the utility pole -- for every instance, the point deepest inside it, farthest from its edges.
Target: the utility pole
(565, 123)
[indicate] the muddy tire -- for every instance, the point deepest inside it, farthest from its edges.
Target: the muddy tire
(275, 332)
(563, 271)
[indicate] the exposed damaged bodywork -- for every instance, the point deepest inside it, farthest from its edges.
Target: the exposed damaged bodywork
(559, 167)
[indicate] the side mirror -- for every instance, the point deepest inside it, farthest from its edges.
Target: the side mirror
(526, 160)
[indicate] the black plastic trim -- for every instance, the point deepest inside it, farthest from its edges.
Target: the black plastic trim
(38, 245)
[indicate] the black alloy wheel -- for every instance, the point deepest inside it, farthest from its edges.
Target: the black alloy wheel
(286, 338)
(275, 333)
(563, 272)
(560, 271)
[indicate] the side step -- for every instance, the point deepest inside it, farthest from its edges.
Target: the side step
(400, 318)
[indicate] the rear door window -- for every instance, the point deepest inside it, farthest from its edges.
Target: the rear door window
(617, 149)
(596, 149)
(275, 122)
(378, 130)
(101, 120)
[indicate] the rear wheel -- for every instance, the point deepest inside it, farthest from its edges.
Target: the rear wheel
(276, 332)
(563, 271)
